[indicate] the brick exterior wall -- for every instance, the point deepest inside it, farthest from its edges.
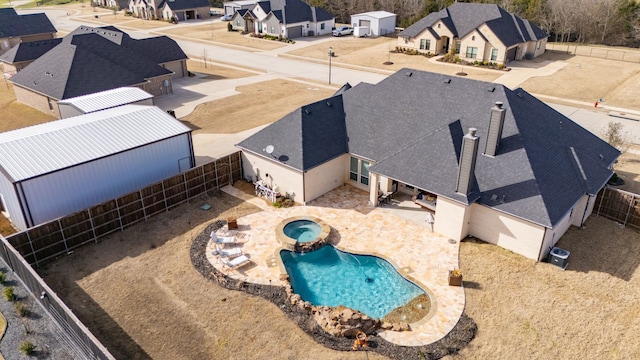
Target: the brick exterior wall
(37, 101)
(156, 87)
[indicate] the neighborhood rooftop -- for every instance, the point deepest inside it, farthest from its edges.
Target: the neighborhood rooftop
(14, 25)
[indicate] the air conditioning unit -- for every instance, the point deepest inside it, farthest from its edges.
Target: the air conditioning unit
(559, 257)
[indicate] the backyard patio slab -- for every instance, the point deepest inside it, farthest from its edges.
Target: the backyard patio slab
(359, 228)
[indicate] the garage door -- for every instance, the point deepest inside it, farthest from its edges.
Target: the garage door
(295, 32)
(511, 54)
(366, 23)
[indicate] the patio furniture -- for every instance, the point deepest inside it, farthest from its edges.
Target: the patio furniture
(223, 239)
(228, 252)
(236, 263)
(232, 224)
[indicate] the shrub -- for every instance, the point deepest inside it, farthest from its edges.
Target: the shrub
(21, 309)
(500, 66)
(229, 27)
(9, 294)
(3, 277)
(27, 347)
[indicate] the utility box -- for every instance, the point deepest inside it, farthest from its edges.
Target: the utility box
(559, 257)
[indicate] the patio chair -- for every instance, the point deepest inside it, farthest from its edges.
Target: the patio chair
(236, 263)
(223, 239)
(228, 252)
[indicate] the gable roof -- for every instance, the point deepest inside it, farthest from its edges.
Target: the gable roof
(544, 165)
(462, 18)
(14, 25)
(55, 145)
(108, 58)
(28, 51)
(185, 4)
(294, 11)
(316, 132)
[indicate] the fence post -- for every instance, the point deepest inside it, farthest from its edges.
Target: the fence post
(144, 208)
(626, 218)
(164, 196)
(64, 240)
(604, 190)
(230, 171)
(35, 257)
(93, 227)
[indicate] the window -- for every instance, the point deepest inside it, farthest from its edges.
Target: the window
(50, 103)
(322, 26)
(494, 54)
(273, 30)
(406, 40)
(539, 43)
(458, 47)
(359, 171)
(472, 52)
(238, 22)
(438, 26)
(425, 44)
(473, 37)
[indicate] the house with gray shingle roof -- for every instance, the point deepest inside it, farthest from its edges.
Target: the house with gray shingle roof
(287, 18)
(90, 60)
(500, 165)
(25, 53)
(475, 32)
(15, 28)
(183, 10)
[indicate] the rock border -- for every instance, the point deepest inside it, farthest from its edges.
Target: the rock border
(461, 335)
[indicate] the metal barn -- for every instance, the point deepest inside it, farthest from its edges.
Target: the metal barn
(61, 167)
(380, 23)
(103, 100)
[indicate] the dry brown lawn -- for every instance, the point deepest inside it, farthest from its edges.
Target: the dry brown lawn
(628, 168)
(217, 71)
(122, 22)
(270, 100)
(373, 52)
(217, 33)
(589, 79)
(16, 115)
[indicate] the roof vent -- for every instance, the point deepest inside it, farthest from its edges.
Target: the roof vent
(329, 103)
(601, 157)
(448, 81)
(306, 111)
(491, 89)
(408, 73)
(519, 94)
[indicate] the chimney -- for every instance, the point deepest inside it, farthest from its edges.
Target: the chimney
(496, 123)
(467, 164)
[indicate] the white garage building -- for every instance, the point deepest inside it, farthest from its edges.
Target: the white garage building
(61, 167)
(379, 22)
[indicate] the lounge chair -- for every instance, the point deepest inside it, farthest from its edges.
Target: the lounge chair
(223, 239)
(228, 252)
(236, 263)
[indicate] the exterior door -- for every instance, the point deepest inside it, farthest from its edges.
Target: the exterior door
(259, 27)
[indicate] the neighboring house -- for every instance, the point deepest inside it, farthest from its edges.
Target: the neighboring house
(103, 100)
(90, 60)
(477, 32)
(24, 54)
(493, 163)
(287, 18)
(119, 4)
(185, 9)
(379, 23)
(15, 28)
(57, 168)
(146, 9)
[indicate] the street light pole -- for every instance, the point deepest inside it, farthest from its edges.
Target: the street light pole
(330, 56)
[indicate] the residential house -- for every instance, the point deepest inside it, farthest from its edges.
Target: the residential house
(118, 4)
(477, 32)
(287, 18)
(489, 162)
(90, 60)
(185, 9)
(146, 9)
(24, 54)
(60, 167)
(230, 7)
(15, 28)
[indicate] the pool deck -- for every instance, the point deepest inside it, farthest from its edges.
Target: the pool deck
(417, 253)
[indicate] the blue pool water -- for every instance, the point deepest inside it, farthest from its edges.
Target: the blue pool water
(302, 230)
(332, 277)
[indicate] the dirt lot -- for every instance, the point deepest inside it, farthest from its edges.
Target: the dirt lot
(373, 52)
(628, 168)
(217, 32)
(16, 115)
(274, 99)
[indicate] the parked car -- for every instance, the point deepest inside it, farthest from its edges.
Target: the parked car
(343, 30)
(226, 17)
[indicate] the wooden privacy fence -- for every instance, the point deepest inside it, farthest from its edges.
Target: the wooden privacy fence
(60, 236)
(619, 205)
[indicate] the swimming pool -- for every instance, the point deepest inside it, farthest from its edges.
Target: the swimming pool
(330, 277)
(302, 230)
